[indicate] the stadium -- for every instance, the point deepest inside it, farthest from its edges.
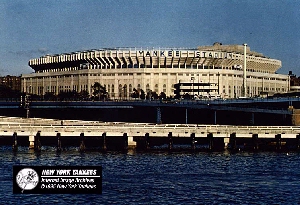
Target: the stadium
(121, 70)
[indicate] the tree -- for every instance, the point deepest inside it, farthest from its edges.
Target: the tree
(135, 93)
(99, 91)
(7, 92)
(186, 96)
(152, 95)
(162, 96)
(34, 97)
(142, 94)
(49, 96)
(84, 95)
(67, 95)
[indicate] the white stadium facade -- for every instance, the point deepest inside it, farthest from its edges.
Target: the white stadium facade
(121, 70)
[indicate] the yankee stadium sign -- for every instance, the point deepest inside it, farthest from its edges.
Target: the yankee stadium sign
(184, 53)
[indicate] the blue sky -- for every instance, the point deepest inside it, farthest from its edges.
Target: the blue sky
(32, 28)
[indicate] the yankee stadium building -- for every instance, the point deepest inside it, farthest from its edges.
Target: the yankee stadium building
(121, 70)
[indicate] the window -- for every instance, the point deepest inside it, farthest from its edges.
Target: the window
(125, 90)
(120, 90)
(147, 88)
(164, 88)
(130, 88)
(113, 90)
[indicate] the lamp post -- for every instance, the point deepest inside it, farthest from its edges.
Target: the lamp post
(244, 71)
(218, 83)
(118, 86)
(192, 78)
(124, 90)
(198, 85)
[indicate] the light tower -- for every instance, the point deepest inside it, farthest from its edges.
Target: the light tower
(244, 72)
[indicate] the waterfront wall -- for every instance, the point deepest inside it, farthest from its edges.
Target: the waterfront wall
(143, 136)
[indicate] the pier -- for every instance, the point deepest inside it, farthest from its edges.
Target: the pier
(35, 133)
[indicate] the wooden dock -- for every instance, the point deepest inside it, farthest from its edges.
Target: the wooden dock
(36, 133)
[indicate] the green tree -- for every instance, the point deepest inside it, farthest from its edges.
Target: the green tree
(99, 91)
(68, 95)
(49, 96)
(84, 95)
(162, 96)
(135, 93)
(152, 95)
(186, 96)
(7, 92)
(142, 94)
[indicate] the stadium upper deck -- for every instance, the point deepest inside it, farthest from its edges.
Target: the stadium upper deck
(215, 57)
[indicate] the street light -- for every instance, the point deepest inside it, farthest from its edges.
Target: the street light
(192, 78)
(244, 71)
(218, 83)
(198, 85)
(118, 86)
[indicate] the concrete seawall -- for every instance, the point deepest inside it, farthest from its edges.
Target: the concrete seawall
(36, 133)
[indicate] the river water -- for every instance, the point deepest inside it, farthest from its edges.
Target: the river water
(167, 178)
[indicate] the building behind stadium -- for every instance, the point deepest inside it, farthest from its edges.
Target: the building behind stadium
(121, 70)
(12, 82)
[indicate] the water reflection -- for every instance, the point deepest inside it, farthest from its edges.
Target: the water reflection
(164, 178)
